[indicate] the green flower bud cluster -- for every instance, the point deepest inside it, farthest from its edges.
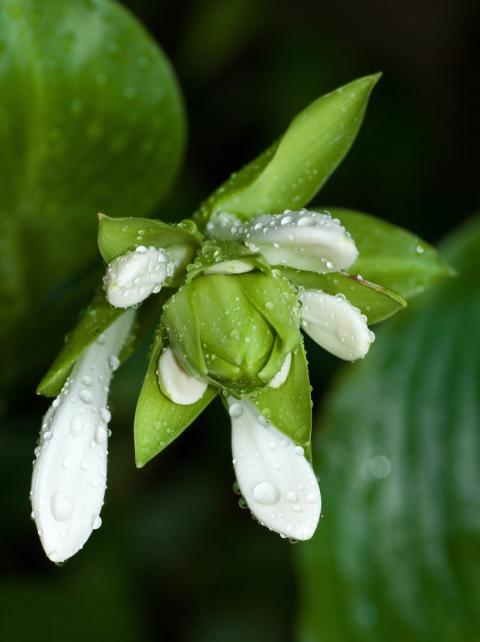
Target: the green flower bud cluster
(232, 289)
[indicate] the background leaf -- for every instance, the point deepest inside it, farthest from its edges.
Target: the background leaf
(397, 555)
(392, 256)
(290, 172)
(91, 120)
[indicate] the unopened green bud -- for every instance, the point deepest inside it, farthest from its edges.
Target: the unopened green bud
(234, 331)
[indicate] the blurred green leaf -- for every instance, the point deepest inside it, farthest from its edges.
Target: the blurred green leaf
(289, 407)
(91, 119)
(376, 302)
(397, 556)
(159, 421)
(392, 256)
(290, 172)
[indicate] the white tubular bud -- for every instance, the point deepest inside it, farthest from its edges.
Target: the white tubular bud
(282, 375)
(133, 277)
(275, 479)
(236, 266)
(179, 386)
(69, 473)
(303, 240)
(335, 324)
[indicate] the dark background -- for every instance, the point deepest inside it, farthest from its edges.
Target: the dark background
(176, 558)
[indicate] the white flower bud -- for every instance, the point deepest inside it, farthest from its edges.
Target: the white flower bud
(275, 479)
(176, 383)
(134, 276)
(304, 240)
(282, 375)
(335, 324)
(236, 266)
(69, 473)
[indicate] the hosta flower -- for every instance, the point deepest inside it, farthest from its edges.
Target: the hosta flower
(232, 290)
(70, 470)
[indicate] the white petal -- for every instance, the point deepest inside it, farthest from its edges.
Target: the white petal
(275, 478)
(69, 474)
(134, 276)
(282, 375)
(304, 240)
(176, 383)
(236, 266)
(335, 324)
(225, 227)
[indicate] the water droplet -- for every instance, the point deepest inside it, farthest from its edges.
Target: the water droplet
(266, 493)
(76, 426)
(113, 362)
(419, 249)
(87, 381)
(235, 411)
(105, 415)
(312, 498)
(86, 396)
(298, 450)
(61, 507)
(101, 434)
(269, 305)
(292, 497)
(96, 522)
(84, 465)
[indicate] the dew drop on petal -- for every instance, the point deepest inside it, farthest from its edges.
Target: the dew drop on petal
(266, 493)
(61, 507)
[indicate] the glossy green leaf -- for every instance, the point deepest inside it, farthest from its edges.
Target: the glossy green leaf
(94, 320)
(376, 302)
(289, 173)
(396, 556)
(159, 421)
(91, 119)
(289, 407)
(391, 256)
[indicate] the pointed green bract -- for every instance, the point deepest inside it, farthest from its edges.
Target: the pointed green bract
(158, 420)
(376, 302)
(94, 320)
(392, 256)
(294, 168)
(289, 407)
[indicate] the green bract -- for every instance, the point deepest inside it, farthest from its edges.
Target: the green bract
(290, 172)
(233, 331)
